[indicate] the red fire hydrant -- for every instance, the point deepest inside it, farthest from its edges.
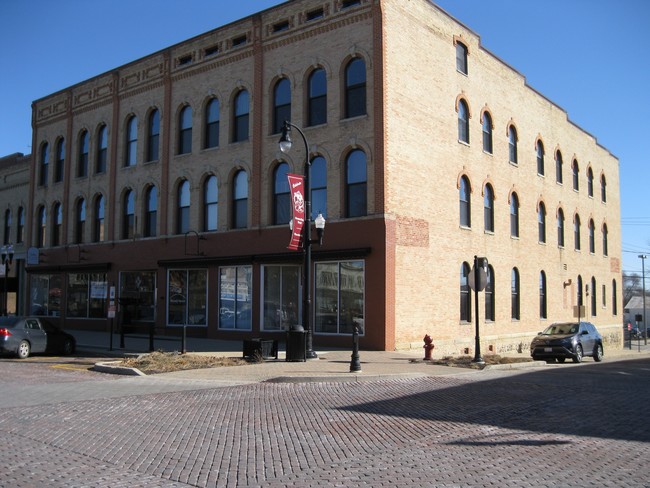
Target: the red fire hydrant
(428, 347)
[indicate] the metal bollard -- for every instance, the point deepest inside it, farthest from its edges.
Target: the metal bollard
(355, 364)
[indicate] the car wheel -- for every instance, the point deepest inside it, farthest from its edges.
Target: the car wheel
(598, 353)
(578, 357)
(561, 360)
(68, 347)
(23, 350)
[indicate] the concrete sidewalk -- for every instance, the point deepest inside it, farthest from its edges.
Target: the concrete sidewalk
(331, 365)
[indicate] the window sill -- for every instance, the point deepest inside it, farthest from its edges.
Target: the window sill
(489, 232)
(355, 118)
(513, 163)
(464, 143)
(464, 227)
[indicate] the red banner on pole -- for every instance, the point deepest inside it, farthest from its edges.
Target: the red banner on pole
(297, 186)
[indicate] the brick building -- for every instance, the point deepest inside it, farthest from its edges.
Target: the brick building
(163, 178)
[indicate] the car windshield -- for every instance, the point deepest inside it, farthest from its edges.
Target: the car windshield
(561, 329)
(8, 322)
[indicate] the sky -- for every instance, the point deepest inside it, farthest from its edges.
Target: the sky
(589, 57)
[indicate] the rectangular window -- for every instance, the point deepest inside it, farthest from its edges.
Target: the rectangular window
(461, 58)
(282, 304)
(339, 297)
(239, 41)
(315, 14)
(187, 297)
(235, 297)
(45, 294)
(211, 51)
(87, 294)
(137, 296)
(281, 26)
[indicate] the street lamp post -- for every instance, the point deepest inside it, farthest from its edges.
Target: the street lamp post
(480, 281)
(285, 146)
(645, 329)
(7, 259)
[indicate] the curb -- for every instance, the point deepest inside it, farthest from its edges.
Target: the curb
(344, 378)
(111, 367)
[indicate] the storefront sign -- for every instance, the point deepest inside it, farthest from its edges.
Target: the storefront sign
(297, 186)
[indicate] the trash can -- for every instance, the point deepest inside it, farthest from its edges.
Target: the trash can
(296, 344)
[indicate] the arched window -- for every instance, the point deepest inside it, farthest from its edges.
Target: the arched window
(128, 215)
(590, 182)
(560, 228)
(153, 135)
(82, 161)
(281, 195)
(614, 300)
(240, 200)
(542, 295)
(185, 130)
(512, 145)
(44, 163)
(576, 232)
(281, 104)
(540, 158)
(487, 133)
(317, 110)
(488, 208)
(603, 189)
(575, 169)
(579, 291)
(356, 184)
(541, 223)
(7, 230)
(80, 221)
(210, 204)
(605, 241)
(465, 298)
(131, 141)
(151, 212)
(465, 202)
(98, 218)
(592, 236)
(60, 161)
(514, 215)
(240, 117)
(594, 301)
(211, 138)
(489, 295)
(41, 224)
(318, 184)
(57, 224)
(183, 207)
(355, 88)
(515, 308)
(20, 228)
(558, 167)
(102, 150)
(463, 122)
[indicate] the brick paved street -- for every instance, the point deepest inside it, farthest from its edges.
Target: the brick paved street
(575, 425)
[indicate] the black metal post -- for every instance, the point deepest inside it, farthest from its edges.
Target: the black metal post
(355, 363)
(477, 337)
(306, 285)
(184, 340)
(151, 337)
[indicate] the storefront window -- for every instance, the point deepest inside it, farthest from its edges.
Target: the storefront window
(339, 304)
(281, 297)
(235, 295)
(187, 292)
(137, 296)
(45, 294)
(87, 293)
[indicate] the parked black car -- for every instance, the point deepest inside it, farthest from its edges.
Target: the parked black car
(25, 335)
(568, 340)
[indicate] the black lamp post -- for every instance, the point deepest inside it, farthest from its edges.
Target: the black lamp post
(479, 285)
(7, 259)
(285, 146)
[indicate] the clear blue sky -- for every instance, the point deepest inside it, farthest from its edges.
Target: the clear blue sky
(588, 56)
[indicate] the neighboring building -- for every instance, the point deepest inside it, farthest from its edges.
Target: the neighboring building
(633, 309)
(14, 192)
(163, 178)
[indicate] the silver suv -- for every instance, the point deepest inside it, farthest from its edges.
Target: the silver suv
(568, 340)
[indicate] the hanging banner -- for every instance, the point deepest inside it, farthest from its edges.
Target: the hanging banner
(297, 186)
